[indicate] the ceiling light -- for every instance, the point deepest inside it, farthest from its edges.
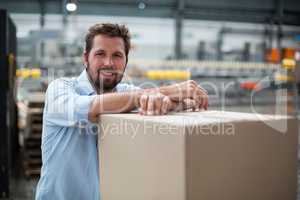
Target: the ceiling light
(142, 5)
(71, 6)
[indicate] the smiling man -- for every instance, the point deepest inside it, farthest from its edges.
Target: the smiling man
(69, 140)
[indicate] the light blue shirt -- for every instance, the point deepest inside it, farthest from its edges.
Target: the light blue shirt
(69, 141)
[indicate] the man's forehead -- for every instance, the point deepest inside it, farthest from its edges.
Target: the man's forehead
(95, 49)
(101, 42)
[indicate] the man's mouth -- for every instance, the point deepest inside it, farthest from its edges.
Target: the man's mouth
(107, 73)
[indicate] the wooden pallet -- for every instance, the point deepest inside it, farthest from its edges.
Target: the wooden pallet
(32, 115)
(32, 173)
(32, 163)
(32, 143)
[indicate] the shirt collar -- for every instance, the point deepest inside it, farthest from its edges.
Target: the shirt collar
(84, 85)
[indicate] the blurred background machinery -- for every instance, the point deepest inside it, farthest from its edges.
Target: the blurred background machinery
(8, 114)
(246, 54)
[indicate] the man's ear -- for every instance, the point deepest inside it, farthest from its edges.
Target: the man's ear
(85, 58)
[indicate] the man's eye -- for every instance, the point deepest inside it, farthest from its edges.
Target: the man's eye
(99, 54)
(118, 55)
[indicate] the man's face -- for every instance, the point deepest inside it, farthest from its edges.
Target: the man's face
(106, 62)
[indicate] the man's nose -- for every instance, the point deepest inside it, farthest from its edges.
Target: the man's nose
(108, 61)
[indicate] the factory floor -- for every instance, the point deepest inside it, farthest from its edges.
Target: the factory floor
(21, 187)
(24, 188)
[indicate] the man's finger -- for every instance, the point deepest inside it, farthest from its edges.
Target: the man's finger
(150, 105)
(143, 104)
(197, 97)
(202, 98)
(189, 104)
(157, 104)
(206, 103)
(166, 103)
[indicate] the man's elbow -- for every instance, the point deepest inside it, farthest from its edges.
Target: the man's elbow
(93, 111)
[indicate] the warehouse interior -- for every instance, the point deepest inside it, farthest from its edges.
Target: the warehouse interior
(245, 54)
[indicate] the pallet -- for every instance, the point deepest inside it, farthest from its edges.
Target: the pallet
(32, 118)
(32, 163)
(32, 173)
(32, 143)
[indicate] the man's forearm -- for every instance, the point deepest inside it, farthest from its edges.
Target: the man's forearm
(118, 102)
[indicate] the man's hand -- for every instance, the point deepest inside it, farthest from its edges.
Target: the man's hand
(154, 104)
(159, 104)
(187, 90)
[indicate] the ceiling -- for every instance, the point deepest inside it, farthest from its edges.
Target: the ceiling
(256, 11)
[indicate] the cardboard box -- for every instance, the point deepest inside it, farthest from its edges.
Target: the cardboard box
(208, 155)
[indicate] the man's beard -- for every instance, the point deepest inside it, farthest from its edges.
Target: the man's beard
(102, 85)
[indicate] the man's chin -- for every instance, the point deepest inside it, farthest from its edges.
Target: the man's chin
(107, 84)
(109, 80)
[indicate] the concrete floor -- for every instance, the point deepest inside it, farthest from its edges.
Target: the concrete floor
(24, 189)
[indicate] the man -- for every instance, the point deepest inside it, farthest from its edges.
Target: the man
(69, 144)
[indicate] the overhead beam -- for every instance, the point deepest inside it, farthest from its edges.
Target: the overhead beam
(241, 15)
(90, 8)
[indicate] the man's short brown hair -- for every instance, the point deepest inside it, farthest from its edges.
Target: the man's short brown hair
(108, 29)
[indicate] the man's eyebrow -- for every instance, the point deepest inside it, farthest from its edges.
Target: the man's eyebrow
(97, 50)
(102, 50)
(119, 52)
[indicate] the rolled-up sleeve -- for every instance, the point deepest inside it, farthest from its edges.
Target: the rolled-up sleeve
(64, 106)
